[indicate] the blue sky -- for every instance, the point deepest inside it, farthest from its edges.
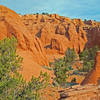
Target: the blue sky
(85, 9)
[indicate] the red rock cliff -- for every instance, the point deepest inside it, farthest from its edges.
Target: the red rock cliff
(57, 33)
(11, 24)
(41, 35)
(29, 46)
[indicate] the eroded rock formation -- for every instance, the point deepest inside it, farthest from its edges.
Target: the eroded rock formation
(47, 36)
(57, 33)
(88, 92)
(11, 24)
(28, 44)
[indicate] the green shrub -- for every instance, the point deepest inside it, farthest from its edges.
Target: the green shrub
(45, 13)
(76, 72)
(12, 85)
(10, 62)
(31, 91)
(70, 56)
(73, 80)
(61, 72)
(87, 66)
(62, 67)
(88, 57)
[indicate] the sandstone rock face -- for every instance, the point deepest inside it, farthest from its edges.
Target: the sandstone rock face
(44, 35)
(49, 33)
(93, 36)
(88, 92)
(11, 24)
(57, 33)
(78, 22)
(91, 22)
(93, 76)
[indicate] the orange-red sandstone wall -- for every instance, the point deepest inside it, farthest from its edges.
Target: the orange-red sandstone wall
(29, 46)
(44, 35)
(57, 33)
(11, 24)
(88, 92)
(48, 34)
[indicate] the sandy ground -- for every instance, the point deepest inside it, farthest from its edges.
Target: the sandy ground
(29, 67)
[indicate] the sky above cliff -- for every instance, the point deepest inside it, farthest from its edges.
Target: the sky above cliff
(85, 9)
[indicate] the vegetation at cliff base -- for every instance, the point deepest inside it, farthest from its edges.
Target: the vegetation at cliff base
(62, 67)
(88, 57)
(12, 85)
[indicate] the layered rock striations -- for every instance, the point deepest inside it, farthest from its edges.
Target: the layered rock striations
(43, 36)
(29, 46)
(57, 33)
(11, 24)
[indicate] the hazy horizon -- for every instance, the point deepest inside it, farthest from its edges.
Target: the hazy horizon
(87, 9)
